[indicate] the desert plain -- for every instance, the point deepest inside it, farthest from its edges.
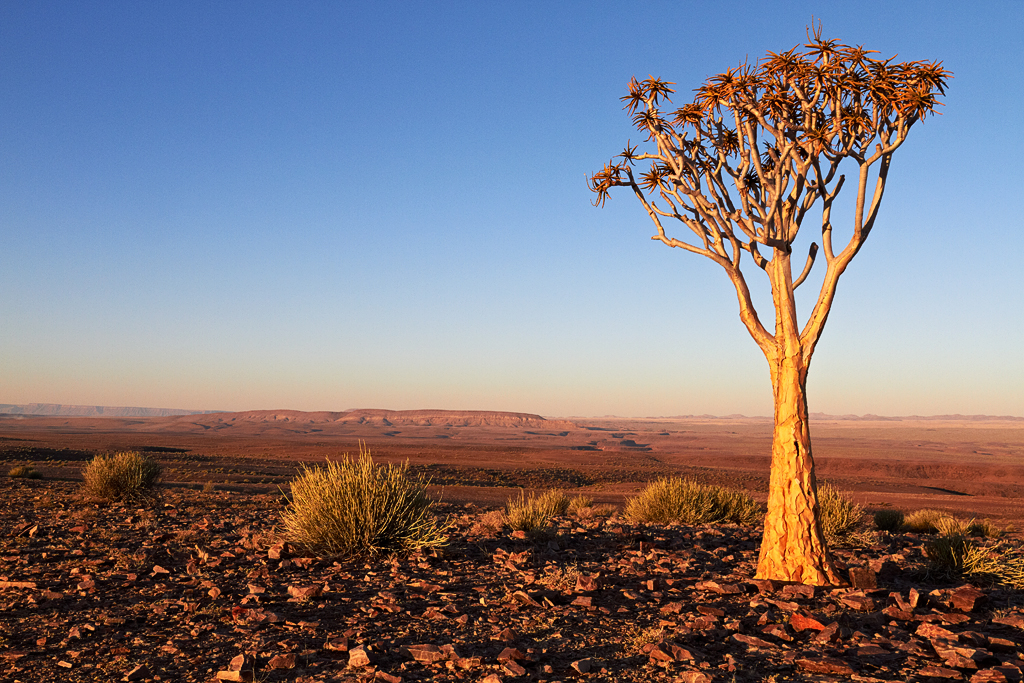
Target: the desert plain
(199, 585)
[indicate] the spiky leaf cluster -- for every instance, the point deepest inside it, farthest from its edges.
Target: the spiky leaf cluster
(743, 163)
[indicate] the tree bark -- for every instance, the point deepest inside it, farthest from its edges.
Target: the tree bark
(793, 547)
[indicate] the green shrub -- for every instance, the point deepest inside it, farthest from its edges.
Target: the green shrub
(24, 472)
(923, 521)
(126, 476)
(690, 502)
(353, 507)
(838, 514)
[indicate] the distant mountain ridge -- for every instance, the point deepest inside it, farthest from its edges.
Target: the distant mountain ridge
(64, 410)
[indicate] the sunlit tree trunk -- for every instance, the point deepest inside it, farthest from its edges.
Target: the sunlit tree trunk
(793, 547)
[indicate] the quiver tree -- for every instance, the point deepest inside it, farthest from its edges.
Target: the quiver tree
(736, 173)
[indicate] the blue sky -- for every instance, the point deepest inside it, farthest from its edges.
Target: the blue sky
(323, 206)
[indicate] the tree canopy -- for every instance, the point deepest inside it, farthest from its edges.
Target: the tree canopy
(743, 164)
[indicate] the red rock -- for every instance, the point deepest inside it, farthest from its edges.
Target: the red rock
(468, 662)
(672, 608)
(764, 586)
(506, 636)
(798, 590)
(694, 677)
(1010, 620)
(1001, 643)
(799, 622)
(863, 578)
(510, 653)
(825, 665)
(939, 672)
(683, 654)
(829, 634)
(358, 657)
(582, 665)
(751, 641)
(659, 655)
(966, 598)
(958, 661)
(235, 675)
(858, 602)
(720, 588)
(586, 583)
(513, 668)
(932, 632)
(138, 673)
(241, 662)
(777, 630)
(583, 601)
(305, 592)
(282, 661)
(386, 677)
(894, 612)
(426, 654)
(18, 584)
(783, 605)
(523, 598)
(989, 676)
(710, 611)
(491, 678)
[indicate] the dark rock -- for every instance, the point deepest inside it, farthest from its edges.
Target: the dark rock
(825, 665)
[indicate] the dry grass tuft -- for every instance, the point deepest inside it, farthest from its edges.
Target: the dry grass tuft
(581, 506)
(127, 476)
(690, 502)
(533, 513)
(923, 521)
(839, 515)
(354, 507)
(24, 472)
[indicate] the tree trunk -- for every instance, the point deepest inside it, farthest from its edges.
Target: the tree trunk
(793, 547)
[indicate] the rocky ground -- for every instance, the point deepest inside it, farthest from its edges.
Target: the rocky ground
(198, 587)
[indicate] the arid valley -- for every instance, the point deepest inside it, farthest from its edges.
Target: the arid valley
(974, 466)
(197, 584)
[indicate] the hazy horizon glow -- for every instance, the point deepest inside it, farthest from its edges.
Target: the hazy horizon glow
(325, 206)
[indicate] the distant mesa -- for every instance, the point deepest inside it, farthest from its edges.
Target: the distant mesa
(63, 410)
(395, 418)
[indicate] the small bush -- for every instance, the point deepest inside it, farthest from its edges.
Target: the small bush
(554, 502)
(690, 502)
(24, 472)
(126, 476)
(488, 524)
(530, 514)
(209, 487)
(579, 504)
(838, 514)
(923, 521)
(984, 528)
(354, 507)
(950, 526)
(889, 520)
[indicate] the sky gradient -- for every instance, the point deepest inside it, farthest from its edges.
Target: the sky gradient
(321, 206)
